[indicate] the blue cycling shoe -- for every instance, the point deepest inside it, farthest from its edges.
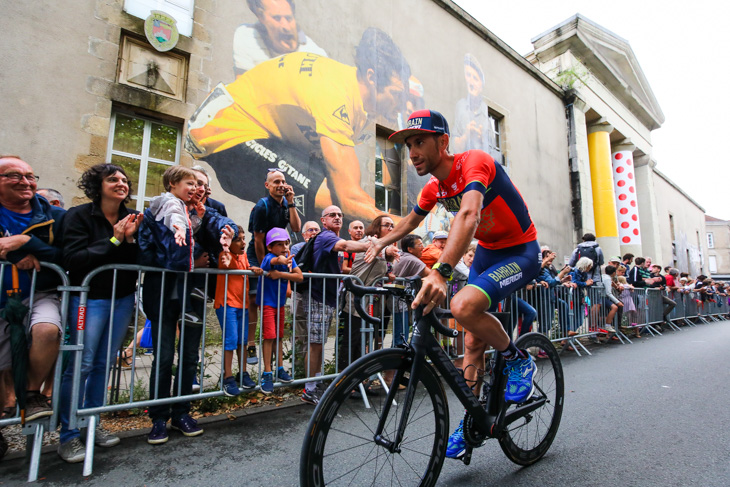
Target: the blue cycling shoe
(456, 445)
(519, 382)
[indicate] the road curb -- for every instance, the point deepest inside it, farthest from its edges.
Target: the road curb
(295, 402)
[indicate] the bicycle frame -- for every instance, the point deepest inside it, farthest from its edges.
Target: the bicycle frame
(490, 420)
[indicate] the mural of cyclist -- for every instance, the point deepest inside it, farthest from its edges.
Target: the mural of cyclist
(303, 114)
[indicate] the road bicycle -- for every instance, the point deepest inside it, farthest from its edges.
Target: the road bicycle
(401, 437)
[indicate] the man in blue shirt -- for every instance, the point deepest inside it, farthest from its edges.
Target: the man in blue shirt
(324, 295)
(30, 232)
(277, 210)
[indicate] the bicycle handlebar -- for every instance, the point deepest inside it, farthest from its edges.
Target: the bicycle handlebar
(360, 291)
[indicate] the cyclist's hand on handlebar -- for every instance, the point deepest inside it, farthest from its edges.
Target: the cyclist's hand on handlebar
(432, 293)
(375, 247)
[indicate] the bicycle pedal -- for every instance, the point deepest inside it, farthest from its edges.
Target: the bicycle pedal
(466, 457)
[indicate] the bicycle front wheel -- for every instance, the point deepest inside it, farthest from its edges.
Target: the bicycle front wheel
(339, 446)
(528, 438)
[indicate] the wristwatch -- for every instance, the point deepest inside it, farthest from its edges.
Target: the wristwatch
(444, 269)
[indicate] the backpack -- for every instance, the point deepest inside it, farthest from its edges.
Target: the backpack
(589, 252)
(305, 256)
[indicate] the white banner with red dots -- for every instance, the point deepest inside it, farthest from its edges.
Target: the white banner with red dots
(626, 204)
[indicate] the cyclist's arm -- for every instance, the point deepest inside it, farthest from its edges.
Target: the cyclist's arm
(463, 227)
(403, 228)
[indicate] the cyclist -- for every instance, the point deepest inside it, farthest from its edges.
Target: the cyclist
(487, 206)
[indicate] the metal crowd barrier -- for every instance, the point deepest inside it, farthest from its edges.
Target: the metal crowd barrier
(327, 369)
(562, 313)
(34, 430)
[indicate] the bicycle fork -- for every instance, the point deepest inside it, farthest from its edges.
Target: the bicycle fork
(393, 446)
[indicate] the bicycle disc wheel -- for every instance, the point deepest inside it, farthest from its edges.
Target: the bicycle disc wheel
(528, 438)
(339, 446)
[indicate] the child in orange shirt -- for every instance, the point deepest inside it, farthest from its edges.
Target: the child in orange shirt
(229, 309)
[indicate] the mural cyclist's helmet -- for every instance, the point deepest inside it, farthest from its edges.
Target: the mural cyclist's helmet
(422, 122)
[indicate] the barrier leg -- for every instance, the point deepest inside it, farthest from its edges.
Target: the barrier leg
(579, 344)
(622, 337)
(34, 442)
(688, 322)
(672, 325)
(653, 331)
(90, 434)
(364, 396)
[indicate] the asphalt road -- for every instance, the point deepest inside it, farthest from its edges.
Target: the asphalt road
(652, 413)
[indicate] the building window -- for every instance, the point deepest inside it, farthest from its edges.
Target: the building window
(710, 240)
(181, 10)
(145, 149)
(495, 137)
(388, 187)
(713, 264)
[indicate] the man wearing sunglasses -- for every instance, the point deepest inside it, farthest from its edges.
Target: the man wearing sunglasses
(324, 295)
(486, 206)
(30, 232)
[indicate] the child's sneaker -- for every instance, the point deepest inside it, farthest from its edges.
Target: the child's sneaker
(246, 381)
(267, 382)
(519, 381)
(158, 434)
(230, 388)
(253, 357)
(284, 376)
(186, 425)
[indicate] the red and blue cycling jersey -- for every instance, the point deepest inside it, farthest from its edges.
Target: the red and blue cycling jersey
(505, 220)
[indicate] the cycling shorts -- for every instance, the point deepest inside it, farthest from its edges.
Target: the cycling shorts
(499, 273)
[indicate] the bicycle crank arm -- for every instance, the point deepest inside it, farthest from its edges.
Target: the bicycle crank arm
(466, 457)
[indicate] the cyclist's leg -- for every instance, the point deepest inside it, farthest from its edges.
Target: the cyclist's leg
(495, 275)
(474, 350)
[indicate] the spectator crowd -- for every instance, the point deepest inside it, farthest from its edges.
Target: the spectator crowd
(185, 229)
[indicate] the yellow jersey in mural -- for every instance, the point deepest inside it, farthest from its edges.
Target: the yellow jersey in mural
(297, 98)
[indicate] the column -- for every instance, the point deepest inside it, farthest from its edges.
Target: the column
(624, 178)
(580, 171)
(604, 199)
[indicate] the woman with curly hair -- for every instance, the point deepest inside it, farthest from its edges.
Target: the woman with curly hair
(98, 233)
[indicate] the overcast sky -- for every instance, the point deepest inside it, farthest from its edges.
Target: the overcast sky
(680, 47)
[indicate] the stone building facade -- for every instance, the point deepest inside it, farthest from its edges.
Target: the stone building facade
(89, 87)
(618, 194)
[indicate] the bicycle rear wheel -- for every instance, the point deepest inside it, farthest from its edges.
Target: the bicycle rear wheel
(528, 438)
(339, 446)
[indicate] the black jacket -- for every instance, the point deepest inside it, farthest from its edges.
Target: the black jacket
(217, 206)
(87, 245)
